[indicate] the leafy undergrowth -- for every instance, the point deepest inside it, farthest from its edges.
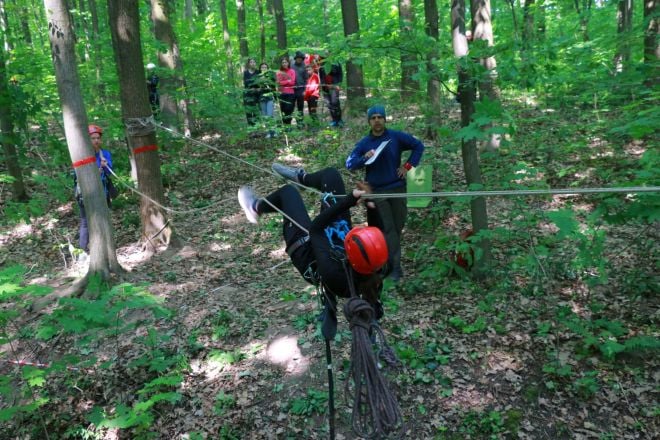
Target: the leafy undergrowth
(221, 339)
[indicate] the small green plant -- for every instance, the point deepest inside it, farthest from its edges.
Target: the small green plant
(587, 385)
(304, 320)
(482, 425)
(223, 402)
(221, 325)
(313, 403)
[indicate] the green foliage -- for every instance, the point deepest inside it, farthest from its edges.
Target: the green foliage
(223, 402)
(313, 403)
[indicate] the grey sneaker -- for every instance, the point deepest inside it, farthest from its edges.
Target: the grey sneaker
(289, 173)
(247, 199)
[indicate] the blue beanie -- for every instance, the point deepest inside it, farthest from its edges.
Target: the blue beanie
(376, 110)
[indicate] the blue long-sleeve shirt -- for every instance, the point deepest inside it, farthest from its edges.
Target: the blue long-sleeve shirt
(382, 173)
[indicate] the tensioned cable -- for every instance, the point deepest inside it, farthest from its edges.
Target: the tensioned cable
(238, 159)
(517, 192)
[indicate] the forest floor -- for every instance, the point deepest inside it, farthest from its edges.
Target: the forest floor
(521, 354)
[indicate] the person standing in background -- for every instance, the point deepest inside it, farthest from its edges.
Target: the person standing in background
(331, 81)
(301, 81)
(312, 93)
(251, 92)
(286, 81)
(266, 81)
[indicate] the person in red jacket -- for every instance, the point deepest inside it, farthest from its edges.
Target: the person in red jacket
(286, 81)
(312, 92)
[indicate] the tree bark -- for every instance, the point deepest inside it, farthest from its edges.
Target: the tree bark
(231, 75)
(482, 29)
(408, 57)
(93, 11)
(624, 15)
(8, 137)
(125, 31)
(469, 152)
(262, 31)
(25, 26)
(173, 94)
(354, 77)
(4, 27)
(103, 258)
(434, 117)
(652, 24)
(242, 30)
(280, 26)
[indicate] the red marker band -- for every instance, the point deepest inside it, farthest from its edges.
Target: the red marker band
(85, 161)
(145, 148)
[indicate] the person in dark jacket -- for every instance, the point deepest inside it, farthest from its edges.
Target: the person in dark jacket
(104, 164)
(267, 87)
(318, 255)
(251, 92)
(299, 89)
(331, 80)
(152, 87)
(380, 153)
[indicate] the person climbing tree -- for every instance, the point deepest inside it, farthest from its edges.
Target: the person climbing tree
(320, 248)
(152, 86)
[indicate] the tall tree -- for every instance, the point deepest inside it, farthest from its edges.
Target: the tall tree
(173, 95)
(8, 137)
(4, 27)
(262, 31)
(231, 75)
(354, 77)
(434, 120)
(408, 56)
(103, 259)
(583, 8)
(624, 16)
(136, 111)
(242, 30)
(469, 152)
(93, 12)
(527, 45)
(280, 26)
(482, 30)
(652, 28)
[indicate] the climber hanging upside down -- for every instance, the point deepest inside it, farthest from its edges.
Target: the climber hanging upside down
(319, 248)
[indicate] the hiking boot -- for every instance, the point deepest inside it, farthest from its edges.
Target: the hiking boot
(248, 200)
(289, 173)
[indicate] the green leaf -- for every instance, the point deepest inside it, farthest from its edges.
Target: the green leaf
(565, 220)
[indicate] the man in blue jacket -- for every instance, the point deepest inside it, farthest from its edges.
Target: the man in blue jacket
(380, 153)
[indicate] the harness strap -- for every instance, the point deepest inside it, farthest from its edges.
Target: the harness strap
(296, 245)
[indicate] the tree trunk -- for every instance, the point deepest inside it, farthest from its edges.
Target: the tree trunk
(202, 7)
(103, 258)
(434, 117)
(8, 137)
(262, 31)
(624, 15)
(188, 11)
(467, 89)
(93, 11)
(651, 41)
(25, 26)
(231, 75)
(173, 94)
(482, 29)
(409, 86)
(280, 26)
(242, 31)
(584, 12)
(527, 68)
(136, 110)
(4, 27)
(354, 78)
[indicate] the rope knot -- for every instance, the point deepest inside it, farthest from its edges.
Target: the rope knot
(358, 313)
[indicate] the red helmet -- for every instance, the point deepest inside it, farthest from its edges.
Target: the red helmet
(366, 249)
(95, 129)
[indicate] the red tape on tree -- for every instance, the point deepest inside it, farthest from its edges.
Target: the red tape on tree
(145, 148)
(85, 161)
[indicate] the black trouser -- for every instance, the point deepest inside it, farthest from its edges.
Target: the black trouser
(332, 97)
(287, 106)
(289, 201)
(312, 104)
(299, 102)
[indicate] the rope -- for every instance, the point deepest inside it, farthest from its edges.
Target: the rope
(517, 192)
(376, 412)
(285, 215)
(140, 126)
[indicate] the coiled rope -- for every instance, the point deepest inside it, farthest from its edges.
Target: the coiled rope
(376, 412)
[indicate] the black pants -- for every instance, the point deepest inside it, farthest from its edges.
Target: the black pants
(287, 106)
(288, 200)
(299, 103)
(332, 98)
(312, 105)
